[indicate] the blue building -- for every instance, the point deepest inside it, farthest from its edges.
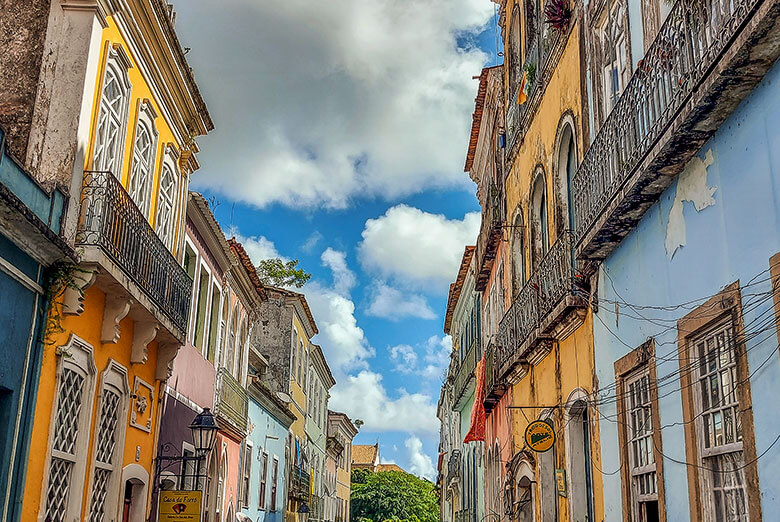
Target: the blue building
(677, 217)
(30, 245)
(266, 449)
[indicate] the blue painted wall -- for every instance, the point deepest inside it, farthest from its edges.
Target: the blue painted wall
(731, 240)
(269, 435)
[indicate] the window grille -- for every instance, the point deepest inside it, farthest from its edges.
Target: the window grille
(166, 213)
(111, 120)
(143, 165)
(639, 423)
(719, 424)
(66, 428)
(104, 454)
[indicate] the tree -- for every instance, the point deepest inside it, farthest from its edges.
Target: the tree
(393, 495)
(276, 272)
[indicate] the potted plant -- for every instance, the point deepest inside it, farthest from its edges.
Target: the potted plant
(558, 14)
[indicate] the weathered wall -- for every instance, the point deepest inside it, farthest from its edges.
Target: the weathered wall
(727, 241)
(274, 339)
(22, 35)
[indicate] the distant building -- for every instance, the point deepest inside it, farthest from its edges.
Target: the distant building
(338, 483)
(390, 467)
(365, 457)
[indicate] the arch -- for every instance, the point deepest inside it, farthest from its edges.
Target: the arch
(578, 456)
(139, 184)
(522, 490)
(517, 244)
(540, 234)
(111, 124)
(515, 42)
(565, 164)
(136, 484)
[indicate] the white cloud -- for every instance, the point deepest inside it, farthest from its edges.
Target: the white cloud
(390, 303)
(258, 247)
(419, 463)
(312, 241)
(318, 103)
(363, 396)
(435, 357)
(343, 277)
(404, 357)
(417, 247)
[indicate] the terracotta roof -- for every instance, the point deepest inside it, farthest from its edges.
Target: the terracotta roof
(298, 295)
(251, 271)
(476, 118)
(457, 286)
(365, 455)
(390, 467)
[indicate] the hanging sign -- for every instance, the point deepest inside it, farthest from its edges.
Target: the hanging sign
(539, 436)
(560, 481)
(180, 506)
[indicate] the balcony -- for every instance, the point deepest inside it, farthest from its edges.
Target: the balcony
(299, 483)
(550, 305)
(465, 515)
(490, 234)
(317, 508)
(466, 368)
(705, 60)
(112, 228)
(453, 466)
(231, 403)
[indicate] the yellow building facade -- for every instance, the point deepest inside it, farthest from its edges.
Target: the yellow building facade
(121, 316)
(540, 352)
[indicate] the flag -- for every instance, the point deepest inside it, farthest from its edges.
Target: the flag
(522, 94)
(477, 428)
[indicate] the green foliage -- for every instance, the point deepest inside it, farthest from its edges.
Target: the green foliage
(393, 496)
(359, 476)
(276, 272)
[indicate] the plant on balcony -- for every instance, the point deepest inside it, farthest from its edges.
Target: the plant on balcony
(530, 72)
(558, 14)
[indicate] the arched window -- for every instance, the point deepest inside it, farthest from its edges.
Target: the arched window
(515, 62)
(524, 505)
(531, 22)
(540, 240)
(230, 352)
(518, 253)
(139, 186)
(112, 115)
(579, 458)
(167, 199)
(566, 166)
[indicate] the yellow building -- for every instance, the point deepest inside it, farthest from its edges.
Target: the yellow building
(536, 320)
(118, 111)
(341, 431)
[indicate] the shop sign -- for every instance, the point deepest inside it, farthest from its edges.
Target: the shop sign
(180, 506)
(540, 436)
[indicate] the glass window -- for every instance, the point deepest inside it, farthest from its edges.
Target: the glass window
(139, 185)
(112, 117)
(263, 482)
(166, 206)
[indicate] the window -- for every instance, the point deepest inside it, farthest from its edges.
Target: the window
(247, 473)
(216, 297)
(565, 168)
(274, 481)
(71, 416)
(515, 63)
(614, 60)
(139, 185)
(230, 348)
(540, 240)
(294, 351)
(580, 474)
(200, 318)
(166, 203)
(547, 486)
(189, 468)
(109, 441)
(112, 115)
(263, 483)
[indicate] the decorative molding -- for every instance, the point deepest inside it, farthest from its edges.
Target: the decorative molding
(73, 298)
(141, 407)
(147, 108)
(166, 353)
(115, 310)
(144, 333)
(540, 351)
(120, 54)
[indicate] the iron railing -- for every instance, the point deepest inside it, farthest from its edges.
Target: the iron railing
(231, 402)
(111, 221)
(553, 280)
(317, 508)
(466, 369)
(453, 465)
(299, 483)
(490, 370)
(465, 515)
(690, 41)
(490, 234)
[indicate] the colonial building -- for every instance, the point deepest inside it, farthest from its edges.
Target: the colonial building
(341, 432)
(284, 339)
(319, 381)
(365, 456)
(675, 205)
(108, 113)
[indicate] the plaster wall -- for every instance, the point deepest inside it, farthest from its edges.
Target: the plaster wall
(727, 241)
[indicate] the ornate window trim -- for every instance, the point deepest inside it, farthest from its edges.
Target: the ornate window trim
(116, 68)
(539, 218)
(580, 499)
(167, 212)
(142, 164)
(112, 380)
(77, 358)
(564, 202)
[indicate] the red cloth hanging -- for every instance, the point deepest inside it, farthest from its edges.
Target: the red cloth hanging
(477, 429)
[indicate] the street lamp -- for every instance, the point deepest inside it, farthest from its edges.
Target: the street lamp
(303, 508)
(204, 432)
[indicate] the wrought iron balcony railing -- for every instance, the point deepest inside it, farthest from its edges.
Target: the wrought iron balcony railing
(111, 221)
(688, 45)
(453, 465)
(533, 312)
(231, 401)
(466, 369)
(299, 483)
(465, 515)
(490, 234)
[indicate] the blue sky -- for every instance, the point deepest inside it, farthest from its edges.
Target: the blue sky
(341, 133)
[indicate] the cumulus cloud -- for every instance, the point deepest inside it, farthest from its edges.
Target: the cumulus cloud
(343, 277)
(258, 247)
(390, 303)
(429, 360)
(419, 463)
(363, 396)
(312, 241)
(318, 103)
(417, 247)
(404, 357)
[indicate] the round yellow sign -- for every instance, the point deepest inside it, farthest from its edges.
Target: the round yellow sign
(540, 436)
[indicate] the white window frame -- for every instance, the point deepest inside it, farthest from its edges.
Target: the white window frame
(188, 243)
(117, 65)
(619, 66)
(77, 355)
(246, 477)
(186, 478)
(214, 282)
(142, 169)
(637, 440)
(113, 378)
(167, 230)
(202, 265)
